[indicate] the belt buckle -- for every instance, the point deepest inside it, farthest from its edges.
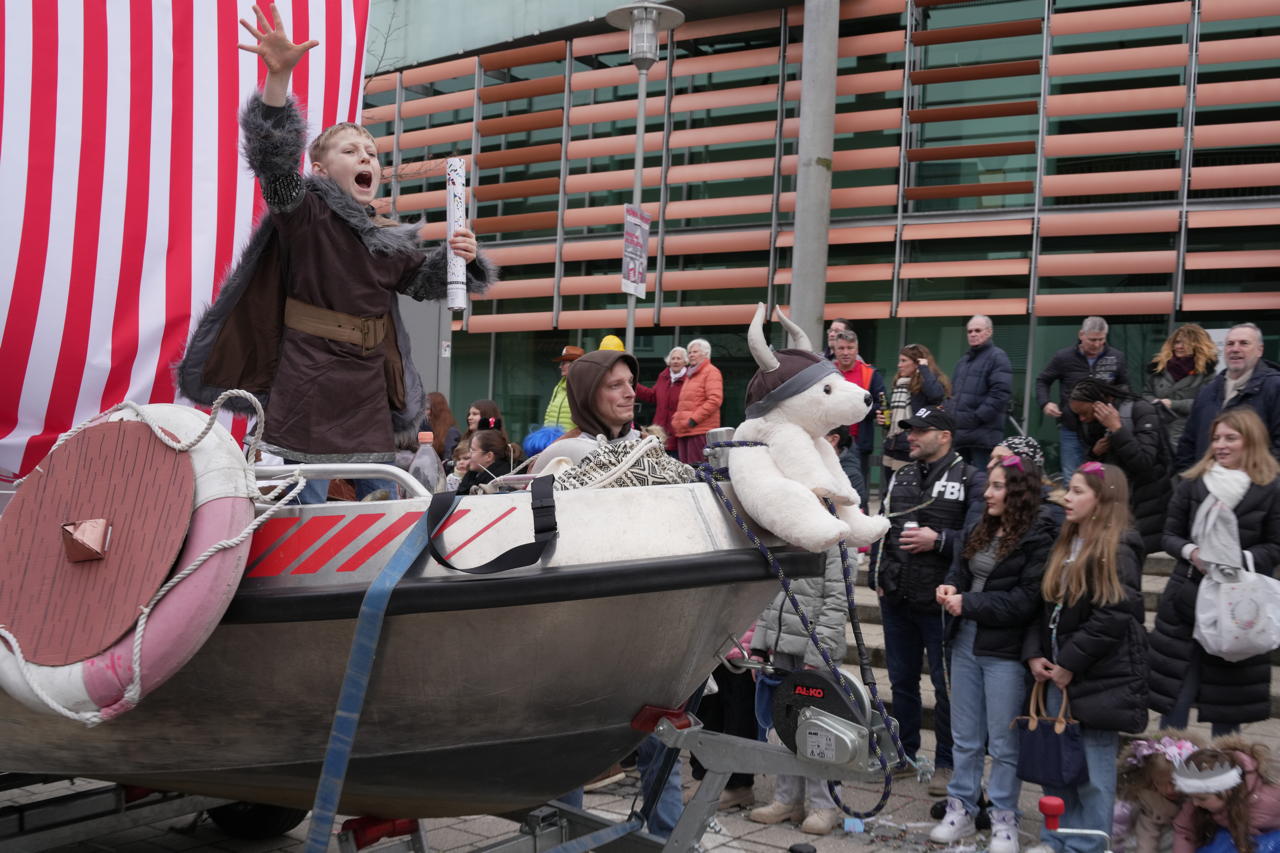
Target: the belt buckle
(368, 330)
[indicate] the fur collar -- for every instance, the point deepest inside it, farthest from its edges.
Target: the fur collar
(378, 239)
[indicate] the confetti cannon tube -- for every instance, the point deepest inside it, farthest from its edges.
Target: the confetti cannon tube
(456, 208)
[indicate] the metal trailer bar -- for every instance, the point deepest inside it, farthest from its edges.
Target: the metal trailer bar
(88, 814)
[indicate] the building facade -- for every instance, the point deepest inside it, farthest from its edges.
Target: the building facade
(1033, 160)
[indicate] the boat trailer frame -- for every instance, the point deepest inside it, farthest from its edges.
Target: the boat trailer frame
(96, 810)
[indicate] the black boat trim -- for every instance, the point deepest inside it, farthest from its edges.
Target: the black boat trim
(471, 592)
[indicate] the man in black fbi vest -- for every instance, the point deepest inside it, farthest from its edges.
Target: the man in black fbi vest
(930, 502)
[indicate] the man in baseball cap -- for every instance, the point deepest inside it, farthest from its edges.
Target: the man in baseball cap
(557, 413)
(930, 502)
(927, 418)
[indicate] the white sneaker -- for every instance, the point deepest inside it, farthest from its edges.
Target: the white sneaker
(1004, 831)
(1040, 848)
(955, 824)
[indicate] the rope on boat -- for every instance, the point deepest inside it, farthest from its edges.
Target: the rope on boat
(133, 693)
(182, 447)
(709, 475)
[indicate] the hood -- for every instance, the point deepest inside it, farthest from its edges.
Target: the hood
(584, 378)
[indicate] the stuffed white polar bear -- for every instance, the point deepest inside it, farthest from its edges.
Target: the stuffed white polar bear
(794, 400)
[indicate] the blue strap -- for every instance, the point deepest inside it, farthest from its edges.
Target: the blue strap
(346, 719)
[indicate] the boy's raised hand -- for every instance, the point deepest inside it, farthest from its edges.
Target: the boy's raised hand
(273, 44)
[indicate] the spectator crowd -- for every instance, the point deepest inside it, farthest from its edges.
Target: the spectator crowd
(998, 579)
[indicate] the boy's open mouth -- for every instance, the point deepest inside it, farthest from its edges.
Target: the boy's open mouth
(364, 180)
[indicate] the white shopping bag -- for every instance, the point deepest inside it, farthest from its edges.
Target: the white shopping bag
(1237, 612)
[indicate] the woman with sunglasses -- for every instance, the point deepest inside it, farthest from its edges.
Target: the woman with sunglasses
(1088, 644)
(992, 594)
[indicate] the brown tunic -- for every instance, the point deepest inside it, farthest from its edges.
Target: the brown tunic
(329, 398)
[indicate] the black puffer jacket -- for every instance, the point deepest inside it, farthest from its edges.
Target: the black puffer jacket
(1229, 692)
(982, 385)
(1010, 599)
(1140, 448)
(1105, 648)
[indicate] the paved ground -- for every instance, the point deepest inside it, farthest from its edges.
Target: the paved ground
(903, 825)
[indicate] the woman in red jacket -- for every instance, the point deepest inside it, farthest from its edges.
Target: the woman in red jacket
(665, 393)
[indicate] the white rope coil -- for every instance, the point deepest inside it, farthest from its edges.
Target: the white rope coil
(133, 693)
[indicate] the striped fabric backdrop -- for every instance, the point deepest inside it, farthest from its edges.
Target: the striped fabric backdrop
(124, 196)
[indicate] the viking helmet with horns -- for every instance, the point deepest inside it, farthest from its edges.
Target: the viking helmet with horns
(784, 373)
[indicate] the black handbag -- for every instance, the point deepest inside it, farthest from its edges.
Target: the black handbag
(1050, 749)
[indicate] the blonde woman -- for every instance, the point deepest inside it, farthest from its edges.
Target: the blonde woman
(1238, 470)
(1089, 643)
(1185, 362)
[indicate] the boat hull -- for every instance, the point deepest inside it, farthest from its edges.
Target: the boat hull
(451, 726)
(489, 693)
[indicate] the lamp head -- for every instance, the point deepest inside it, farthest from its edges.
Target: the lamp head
(643, 20)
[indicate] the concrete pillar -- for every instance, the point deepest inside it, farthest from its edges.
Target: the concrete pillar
(813, 176)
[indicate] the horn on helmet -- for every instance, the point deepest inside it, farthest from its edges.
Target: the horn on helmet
(796, 335)
(767, 361)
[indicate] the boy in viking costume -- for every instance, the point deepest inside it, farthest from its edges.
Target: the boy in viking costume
(308, 319)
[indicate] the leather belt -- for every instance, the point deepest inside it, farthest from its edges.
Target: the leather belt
(367, 332)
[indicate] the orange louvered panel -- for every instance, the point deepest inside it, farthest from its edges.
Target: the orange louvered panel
(1127, 18)
(1114, 222)
(1085, 304)
(1107, 263)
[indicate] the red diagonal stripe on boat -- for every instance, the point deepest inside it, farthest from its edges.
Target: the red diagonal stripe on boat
(335, 543)
(400, 525)
(296, 543)
(476, 535)
(445, 525)
(267, 535)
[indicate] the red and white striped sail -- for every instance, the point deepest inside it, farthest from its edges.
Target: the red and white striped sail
(124, 197)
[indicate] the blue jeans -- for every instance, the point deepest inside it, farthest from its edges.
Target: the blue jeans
(666, 812)
(908, 634)
(1089, 805)
(986, 694)
(1071, 451)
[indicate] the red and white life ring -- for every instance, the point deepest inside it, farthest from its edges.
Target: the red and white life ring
(149, 502)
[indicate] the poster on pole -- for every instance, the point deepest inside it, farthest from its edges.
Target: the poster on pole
(635, 251)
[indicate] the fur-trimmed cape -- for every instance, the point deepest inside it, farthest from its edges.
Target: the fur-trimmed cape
(237, 342)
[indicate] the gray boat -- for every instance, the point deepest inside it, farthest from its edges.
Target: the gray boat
(490, 693)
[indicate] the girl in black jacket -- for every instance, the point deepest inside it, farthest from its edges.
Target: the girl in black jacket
(1089, 638)
(1121, 429)
(489, 459)
(1239, 470)
(993, 594)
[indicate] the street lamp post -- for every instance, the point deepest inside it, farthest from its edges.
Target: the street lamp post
(643, 19)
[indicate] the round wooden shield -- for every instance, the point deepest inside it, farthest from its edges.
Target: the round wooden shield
(113, 490)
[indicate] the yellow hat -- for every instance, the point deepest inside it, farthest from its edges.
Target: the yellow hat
(612, 342)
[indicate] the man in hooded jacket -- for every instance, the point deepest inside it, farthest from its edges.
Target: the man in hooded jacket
(601, 391)
(602, 398)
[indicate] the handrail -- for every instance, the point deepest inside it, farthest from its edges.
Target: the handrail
(347, 471)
